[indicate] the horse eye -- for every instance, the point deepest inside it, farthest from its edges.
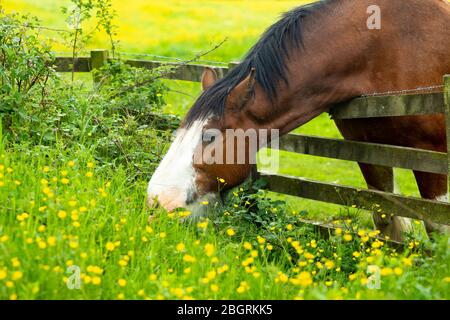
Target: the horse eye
(208, 137)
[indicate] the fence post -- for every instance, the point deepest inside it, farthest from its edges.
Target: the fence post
(99, 58)
(447, 124)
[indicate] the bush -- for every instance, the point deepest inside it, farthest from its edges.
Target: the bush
(25, 66)
(120, 120)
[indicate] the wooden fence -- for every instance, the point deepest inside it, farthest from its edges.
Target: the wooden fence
(370, 153)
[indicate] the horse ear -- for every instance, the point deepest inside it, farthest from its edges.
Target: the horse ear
(209, 77)
(244, 91)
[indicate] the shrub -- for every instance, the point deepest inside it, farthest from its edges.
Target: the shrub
(119, 120)
(25, 66)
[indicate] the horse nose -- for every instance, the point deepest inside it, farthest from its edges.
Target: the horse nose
(169, 199)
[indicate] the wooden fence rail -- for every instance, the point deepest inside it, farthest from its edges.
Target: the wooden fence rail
(370, 153)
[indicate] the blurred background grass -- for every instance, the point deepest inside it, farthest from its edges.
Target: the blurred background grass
(182, 29)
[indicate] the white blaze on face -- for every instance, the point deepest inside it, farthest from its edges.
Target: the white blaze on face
(173, 183)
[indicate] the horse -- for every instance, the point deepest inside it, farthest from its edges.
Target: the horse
(316, 57)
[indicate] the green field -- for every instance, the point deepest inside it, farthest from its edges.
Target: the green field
(60, 207)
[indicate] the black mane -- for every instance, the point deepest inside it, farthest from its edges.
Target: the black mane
(268, 56)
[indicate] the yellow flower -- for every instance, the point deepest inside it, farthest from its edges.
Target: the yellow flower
(123, 263)
(289, 227)
(223, 269)
(120, 296)
(214, 288)
(74, 215)
(89, 174)
(209, 249)
(122, 282)
(71, 163)
(205, 203)
(247, 245)
(308, 255)
(282, 277)
(46, 169)
(180, 247)
(110, 246)
(22, 217)
(348, 237)
(16, 275)
(188, 258)
(386, 271)
(73, 244)
(407, 262)
(304, 279)
(96, 280)
(162, 235)
(42, 244)
(338, 231)
(231, 232)
(261, 240)
(4, 238)
(90, 165)
(203, 224)
(152, 277)
(243, 287)
(329, 264)
(148, 229)
(62, 214)
(51, 241)
(3, 273)
(65, 181)
(398, 271)
(76, 224)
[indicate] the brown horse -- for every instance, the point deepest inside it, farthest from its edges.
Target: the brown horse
(314, 58)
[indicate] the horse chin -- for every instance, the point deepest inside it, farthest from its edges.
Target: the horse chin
(204, 207)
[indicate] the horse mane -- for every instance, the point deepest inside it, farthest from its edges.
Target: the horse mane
(268, 56)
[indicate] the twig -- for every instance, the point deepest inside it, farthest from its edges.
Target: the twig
(181, 92)
(161, 75)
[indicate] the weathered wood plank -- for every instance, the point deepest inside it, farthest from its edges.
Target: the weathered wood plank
(382, 202)
(371, 153)
(447, 123)
(189, 72)
(64, 64)
(390, 106)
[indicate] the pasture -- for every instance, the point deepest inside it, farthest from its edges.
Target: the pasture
(66, 205)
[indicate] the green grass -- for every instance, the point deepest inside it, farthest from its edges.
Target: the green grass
(99, 224)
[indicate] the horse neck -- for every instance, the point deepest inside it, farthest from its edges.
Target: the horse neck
(342, 59)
